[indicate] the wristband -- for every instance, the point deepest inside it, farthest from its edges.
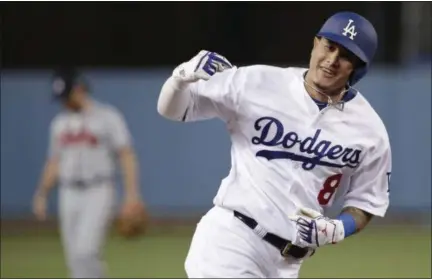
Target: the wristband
(349, 223)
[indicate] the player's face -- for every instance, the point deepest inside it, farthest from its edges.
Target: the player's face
(331, 65)
(76, 99)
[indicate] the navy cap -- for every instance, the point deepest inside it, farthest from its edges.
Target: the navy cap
(64, 81)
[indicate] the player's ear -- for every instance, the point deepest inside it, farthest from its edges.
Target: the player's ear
(315, 44)
(316, 41)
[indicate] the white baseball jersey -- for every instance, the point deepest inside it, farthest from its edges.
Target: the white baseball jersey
(86, 142)
(287, 152)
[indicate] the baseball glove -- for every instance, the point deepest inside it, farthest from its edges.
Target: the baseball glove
(133, 221)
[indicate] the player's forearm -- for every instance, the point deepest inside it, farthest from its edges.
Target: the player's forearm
(49, 177)
(174, 99)
(360, 219)
(129, 164)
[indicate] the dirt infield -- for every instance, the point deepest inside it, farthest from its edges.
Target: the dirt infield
(31, 226)
(166, 224)
(161, 225)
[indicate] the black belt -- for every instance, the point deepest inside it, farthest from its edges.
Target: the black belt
(285, 247)
(81, 183)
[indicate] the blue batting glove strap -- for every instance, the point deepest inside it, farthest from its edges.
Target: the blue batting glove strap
(212, 61)
(202, 66)
(349, 223)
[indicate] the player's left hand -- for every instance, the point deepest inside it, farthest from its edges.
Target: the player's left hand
(202, 66)
(315, 230)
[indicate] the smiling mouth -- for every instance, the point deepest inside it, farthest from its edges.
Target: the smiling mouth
(328, 72)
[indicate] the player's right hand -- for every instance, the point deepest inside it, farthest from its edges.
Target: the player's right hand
(315, 230)
(204, 65)
(40, 207)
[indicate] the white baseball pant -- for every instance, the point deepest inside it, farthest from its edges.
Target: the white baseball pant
(224, 247)
(85, 217)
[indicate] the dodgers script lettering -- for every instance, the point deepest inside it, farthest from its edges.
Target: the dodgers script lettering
(324, 152)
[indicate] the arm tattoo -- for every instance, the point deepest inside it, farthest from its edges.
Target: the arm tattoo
(361, 217)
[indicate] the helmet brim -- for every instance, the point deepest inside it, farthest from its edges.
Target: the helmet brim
(347, 43)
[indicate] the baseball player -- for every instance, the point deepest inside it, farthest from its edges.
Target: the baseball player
(86, 139)
(301, 138)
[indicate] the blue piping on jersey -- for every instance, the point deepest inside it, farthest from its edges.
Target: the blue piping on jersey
(349, 95)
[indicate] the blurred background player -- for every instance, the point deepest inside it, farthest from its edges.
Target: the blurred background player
(87, 139)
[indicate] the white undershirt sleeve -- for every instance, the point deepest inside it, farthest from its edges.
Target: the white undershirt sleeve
(174, 99)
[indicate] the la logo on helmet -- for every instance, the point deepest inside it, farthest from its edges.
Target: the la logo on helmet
(350, 29)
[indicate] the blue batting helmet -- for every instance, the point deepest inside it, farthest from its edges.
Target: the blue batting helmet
(356, 34)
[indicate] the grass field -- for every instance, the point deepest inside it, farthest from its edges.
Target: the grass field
(381, 252)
